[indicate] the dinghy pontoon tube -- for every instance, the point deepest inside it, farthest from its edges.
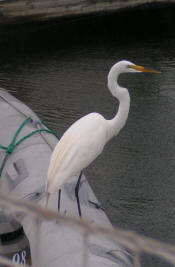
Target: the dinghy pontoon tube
(23, 176)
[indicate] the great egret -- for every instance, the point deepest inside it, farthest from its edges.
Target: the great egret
(85, 139)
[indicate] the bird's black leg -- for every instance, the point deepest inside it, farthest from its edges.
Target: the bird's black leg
(77, 187)
(59, 199)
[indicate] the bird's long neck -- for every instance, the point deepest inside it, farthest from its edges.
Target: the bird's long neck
(117, 123)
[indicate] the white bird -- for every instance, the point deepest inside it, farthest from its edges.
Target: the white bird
(85, 139)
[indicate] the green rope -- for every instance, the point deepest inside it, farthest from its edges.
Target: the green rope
(10, 148)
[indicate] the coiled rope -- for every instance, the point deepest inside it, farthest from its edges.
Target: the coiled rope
(13, 144)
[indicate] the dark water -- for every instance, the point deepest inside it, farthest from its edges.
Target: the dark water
(60, 71)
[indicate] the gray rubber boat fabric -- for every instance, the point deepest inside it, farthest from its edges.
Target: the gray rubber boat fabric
(24, 176)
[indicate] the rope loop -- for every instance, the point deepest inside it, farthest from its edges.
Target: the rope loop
(10, 148)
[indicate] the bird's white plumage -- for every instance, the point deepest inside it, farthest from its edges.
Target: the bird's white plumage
(85, 139)
(78, 147)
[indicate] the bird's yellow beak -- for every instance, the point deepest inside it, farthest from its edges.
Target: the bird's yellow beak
(142, 69)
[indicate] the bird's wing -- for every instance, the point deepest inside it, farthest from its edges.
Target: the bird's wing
(59, 154)
(78, 147)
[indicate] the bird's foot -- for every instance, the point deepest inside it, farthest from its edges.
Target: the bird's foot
(97, 206)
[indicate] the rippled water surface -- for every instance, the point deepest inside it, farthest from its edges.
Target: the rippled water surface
(60, 72)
